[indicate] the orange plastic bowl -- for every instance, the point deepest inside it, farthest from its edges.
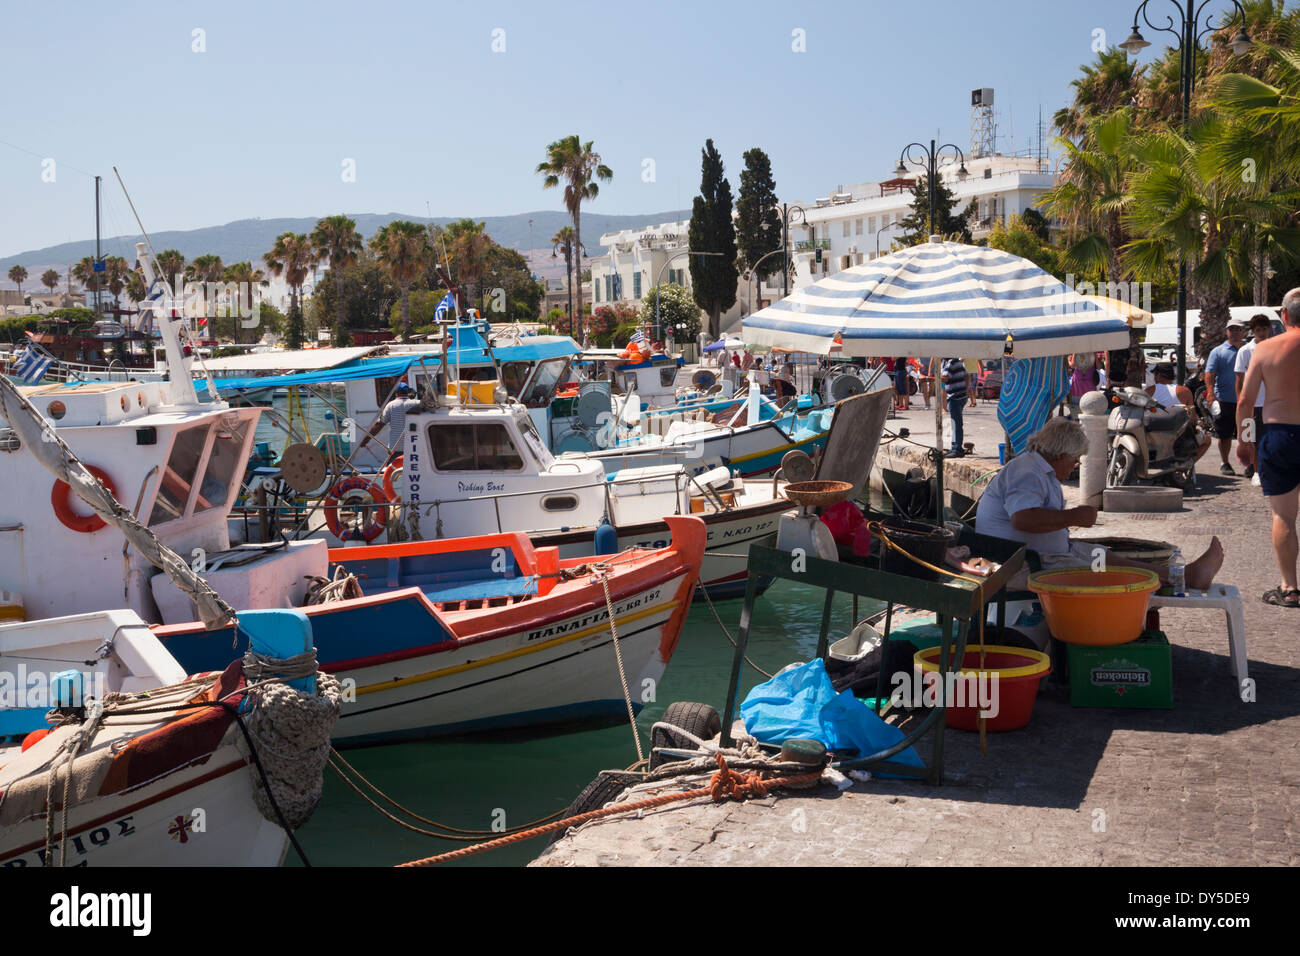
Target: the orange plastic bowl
(1095, 607)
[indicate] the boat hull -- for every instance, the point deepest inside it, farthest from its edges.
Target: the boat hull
(415, 665)
(157, 826)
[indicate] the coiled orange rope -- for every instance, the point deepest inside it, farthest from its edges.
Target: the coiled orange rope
(723, 784)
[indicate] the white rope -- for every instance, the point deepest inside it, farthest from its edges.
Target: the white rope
(622, 674)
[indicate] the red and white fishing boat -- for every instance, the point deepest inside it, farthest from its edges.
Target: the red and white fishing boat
(490, 631)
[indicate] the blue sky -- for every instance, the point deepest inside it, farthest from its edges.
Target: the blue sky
(261, 122)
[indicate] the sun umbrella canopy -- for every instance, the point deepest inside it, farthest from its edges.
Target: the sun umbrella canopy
(1135, 315)
(939, 299)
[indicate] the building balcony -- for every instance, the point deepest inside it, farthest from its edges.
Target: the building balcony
(806, 245)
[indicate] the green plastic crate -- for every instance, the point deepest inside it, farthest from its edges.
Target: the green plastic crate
(1137, 674)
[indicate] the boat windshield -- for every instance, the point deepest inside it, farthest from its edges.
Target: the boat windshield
(542, 386)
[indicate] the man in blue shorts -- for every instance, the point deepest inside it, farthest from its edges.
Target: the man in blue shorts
(1275, 367)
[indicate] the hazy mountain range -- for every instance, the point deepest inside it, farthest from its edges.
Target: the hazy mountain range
(249, 239)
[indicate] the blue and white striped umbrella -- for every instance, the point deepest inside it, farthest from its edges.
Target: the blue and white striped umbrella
(943, 299)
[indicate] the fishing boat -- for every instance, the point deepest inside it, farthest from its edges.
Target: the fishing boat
(490, 632)
(152, 778)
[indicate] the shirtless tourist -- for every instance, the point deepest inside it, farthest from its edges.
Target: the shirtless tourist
(1275, 367)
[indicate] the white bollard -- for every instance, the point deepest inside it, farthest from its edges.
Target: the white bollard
(1094, 411)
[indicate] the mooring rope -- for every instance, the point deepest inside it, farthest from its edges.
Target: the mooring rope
(603, 577)
(724, 784)
(725, 633)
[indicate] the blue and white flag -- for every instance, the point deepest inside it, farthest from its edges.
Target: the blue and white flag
(448, 304)
(30, 366)
(637, 337)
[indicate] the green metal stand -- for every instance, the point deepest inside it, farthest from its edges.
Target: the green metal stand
(958, 605)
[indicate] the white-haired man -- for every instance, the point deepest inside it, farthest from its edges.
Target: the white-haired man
(1275, 368)
(1025, 503)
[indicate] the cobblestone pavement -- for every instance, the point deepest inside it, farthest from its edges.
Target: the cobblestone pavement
(1215, 781)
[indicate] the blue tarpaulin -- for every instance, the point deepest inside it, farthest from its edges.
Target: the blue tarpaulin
(801, 702)
(374, 368)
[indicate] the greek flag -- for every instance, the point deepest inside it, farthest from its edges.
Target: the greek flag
(448, 304)
(30, 366)
(637, 338)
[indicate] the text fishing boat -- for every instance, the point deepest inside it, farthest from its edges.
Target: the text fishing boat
(490, 632)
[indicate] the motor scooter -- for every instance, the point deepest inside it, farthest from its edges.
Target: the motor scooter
(1149, 442)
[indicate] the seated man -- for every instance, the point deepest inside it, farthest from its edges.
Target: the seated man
(1025, 503)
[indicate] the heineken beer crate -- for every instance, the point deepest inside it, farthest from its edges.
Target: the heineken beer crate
(1137, 674)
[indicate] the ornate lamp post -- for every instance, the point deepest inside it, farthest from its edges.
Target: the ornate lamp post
(931, 160)
(1188, 31)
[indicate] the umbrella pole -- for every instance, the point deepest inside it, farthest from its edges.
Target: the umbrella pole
(940, 397)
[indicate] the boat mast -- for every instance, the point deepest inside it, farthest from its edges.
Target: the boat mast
(99, 313)
(171, 325)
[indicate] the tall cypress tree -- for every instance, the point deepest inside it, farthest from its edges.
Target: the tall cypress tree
(713, 278)
(758, 222)
(917, 222)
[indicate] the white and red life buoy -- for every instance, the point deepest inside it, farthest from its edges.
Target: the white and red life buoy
(61, 502)
(387, 475)
(356, 487)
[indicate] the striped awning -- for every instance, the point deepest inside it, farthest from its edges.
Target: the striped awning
(943, 299)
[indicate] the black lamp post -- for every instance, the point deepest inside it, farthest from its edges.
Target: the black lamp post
(786, 212)
(1188, 31)
(930, 160)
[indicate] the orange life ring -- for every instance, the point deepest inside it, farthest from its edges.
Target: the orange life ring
(386, 476)
(61, 502)
(339, 491)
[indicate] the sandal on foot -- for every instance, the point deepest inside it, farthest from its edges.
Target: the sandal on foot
(1282, 597)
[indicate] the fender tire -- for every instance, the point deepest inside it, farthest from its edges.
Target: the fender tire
(698, 719)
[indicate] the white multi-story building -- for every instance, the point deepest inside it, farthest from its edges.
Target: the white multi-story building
(636, 260)
(855, 224)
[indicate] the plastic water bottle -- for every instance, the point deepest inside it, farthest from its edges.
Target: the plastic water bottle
(1178, 574)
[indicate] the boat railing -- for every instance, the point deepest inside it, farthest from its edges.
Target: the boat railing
(295, 512)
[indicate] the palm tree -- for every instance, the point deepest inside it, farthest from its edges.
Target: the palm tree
(1110, 83)
(564, 239)
(1089, 197)
(18, 275)
(50, 279)
(575, 164)
(467, 248)
(136, 290)
(293, 256)
(1181, 206)
(245, 276)
(337, 240)
(115, 272)
(403, 247)
(206, 268)
(171, 263)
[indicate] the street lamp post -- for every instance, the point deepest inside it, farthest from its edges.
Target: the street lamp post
(932, 160)
(754, 271)
(659, 278)
(786, 211)
(1189, 32)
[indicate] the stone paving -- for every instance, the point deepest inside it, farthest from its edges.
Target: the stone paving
(1215, 781)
